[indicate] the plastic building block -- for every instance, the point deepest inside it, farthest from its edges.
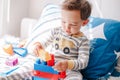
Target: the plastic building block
(43, 55)
(46, 75)
(12, 61)
(43, 68)
(62, 74)
(51, 62)
(11, 70)
(11, 50)
(20, 51)
(8, 49)
(38, 78)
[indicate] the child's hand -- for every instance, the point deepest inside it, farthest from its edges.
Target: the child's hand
(61, 66)
(37, 47)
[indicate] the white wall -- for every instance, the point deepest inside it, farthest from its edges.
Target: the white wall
(36, 7)
(96, 8)
(1, 1)
(107, 9)
(111, 9)
(18, 9)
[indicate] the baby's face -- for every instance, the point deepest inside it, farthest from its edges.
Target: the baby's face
(71, 21)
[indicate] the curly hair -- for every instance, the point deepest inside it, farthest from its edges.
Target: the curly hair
(82, 5)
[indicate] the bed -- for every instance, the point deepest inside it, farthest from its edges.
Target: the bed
(50, 18)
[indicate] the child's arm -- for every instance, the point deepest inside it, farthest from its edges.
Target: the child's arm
(61, 66)
(37, 48)
(83, 56)
(76, 64)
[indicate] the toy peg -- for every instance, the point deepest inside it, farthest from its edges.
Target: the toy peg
(51, 62)
(8, 49)
(12, 61)
(62, 74)
(44, 55)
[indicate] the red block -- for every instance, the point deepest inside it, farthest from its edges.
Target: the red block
(46, 75)
(52, 61)
(62, 74)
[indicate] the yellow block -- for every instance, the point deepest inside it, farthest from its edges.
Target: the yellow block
(44, 55)
(8, 49)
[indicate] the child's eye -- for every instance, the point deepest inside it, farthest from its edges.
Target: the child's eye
(73, 24)
(63, 21)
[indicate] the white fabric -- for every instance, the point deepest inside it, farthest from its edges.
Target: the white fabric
(20, 71)
(50, 18)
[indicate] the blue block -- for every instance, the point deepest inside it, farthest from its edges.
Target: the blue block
(38, 78)
(44, 68)
(20, 51)
(38, 61)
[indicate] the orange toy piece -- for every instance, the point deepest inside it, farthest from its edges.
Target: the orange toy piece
(44, 55)
(8, 49)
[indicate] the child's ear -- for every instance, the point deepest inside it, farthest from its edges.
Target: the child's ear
(85, 22)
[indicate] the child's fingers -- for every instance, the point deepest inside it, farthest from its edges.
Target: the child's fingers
(56, 68)
(59, 69)
(60, 66)
(36, 51)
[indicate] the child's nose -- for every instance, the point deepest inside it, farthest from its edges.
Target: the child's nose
(67, 28)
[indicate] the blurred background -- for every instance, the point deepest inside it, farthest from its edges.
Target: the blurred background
(12, 12)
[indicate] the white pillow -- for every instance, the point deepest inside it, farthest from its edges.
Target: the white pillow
(49, 19)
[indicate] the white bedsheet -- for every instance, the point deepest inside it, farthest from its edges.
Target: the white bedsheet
(21, 71)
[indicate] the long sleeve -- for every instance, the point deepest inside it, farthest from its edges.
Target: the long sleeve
(83, 57)
(47, 40)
